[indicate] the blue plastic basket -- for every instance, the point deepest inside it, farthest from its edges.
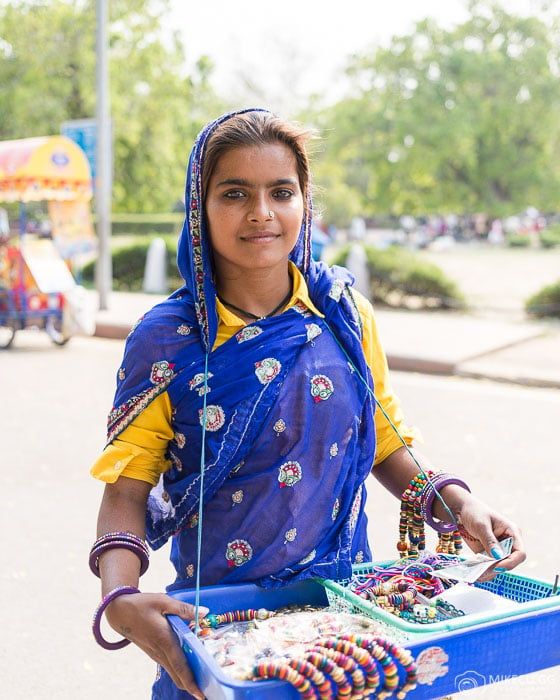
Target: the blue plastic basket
(211, 679)
(475, 648)
(532, 595)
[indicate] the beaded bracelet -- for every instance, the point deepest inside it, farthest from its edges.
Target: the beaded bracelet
(96, 626)
(119, 540)
(415, 502)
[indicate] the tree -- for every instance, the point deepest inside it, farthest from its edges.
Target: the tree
(456, 120)
(47, 70)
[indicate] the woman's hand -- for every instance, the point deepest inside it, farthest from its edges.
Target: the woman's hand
(483, 528)
(141, 617)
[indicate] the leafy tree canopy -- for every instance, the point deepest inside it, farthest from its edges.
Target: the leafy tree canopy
(48, 76)
(457, 120)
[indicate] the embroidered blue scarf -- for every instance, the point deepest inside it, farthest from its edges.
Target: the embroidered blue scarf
(288, 437)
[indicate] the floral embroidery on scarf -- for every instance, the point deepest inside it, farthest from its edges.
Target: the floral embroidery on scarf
(122, 416)
(248, 333)
(333, 450)
(176, 461)
(359, 558)
(289, 473)
(193, 521)
(312, 554)
(161, 371)
(321, 387)
(335, 291)
(180, 440)
(183, 329)
(189, 571)
(302, 309)
(237, 496)
(237, 467)
(215, 417)
(122, 373)
(313, 330)
(290, 535)
(267, 369)
(335, 510)
(238, 552)
(197, 383)
(279, 426)
(355, 509)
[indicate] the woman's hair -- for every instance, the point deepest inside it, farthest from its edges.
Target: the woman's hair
(256, 128)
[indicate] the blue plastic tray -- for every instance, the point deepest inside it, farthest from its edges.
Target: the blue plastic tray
(449, 661)
(211, 679)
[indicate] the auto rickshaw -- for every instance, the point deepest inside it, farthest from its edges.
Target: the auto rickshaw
(36, 282)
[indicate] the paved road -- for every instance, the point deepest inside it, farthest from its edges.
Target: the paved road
(52, 428)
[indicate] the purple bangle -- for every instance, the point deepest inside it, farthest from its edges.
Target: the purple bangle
(436, 483)
(130, 546)
(119, 540)
(96, 626)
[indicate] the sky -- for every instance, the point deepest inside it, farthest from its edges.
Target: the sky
(290, 49)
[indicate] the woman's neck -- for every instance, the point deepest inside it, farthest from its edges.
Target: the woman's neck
(255, 295)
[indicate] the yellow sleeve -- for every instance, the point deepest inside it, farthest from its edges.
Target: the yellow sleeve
(387, 440)
(139, 451)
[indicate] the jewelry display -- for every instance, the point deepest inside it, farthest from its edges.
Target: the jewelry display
(322, 653)
(408, 589)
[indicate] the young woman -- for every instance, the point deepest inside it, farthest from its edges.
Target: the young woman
(262, 386)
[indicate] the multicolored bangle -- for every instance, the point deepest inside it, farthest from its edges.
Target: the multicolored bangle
(96, 625)
(119, 540)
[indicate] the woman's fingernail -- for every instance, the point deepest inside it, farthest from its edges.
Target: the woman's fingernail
(497, 553)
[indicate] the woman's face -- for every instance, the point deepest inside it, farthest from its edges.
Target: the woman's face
(254, 208)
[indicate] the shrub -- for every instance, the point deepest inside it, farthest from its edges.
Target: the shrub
(545, 303)
(518, 240)
(129, 264)
(401, 278)
(146, 224)
(550, 236)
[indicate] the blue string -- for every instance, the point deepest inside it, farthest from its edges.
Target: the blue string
(200, 500)
(393, 426)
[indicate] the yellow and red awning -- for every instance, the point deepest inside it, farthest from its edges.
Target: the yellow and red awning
(43, 168)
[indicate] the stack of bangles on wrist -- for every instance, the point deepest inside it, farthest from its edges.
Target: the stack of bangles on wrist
(115, 540)
(416, 508)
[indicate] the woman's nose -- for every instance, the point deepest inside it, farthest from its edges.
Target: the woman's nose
(260, 210)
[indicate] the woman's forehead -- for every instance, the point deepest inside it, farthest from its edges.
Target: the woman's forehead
(274, 161)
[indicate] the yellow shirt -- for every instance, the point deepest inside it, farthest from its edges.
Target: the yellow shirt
(139, 451)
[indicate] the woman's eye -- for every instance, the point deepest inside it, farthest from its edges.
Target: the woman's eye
(233, 194)
(283, 194)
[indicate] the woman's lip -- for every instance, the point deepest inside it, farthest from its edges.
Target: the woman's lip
(258, 237)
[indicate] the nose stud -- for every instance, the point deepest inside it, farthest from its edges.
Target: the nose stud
(271, 215)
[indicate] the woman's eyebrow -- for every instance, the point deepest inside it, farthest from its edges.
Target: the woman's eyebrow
(242, 182)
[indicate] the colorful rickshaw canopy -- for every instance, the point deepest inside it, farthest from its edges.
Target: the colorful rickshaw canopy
(43, 168)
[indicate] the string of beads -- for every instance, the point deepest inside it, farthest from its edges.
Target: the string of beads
(407, 589)
(416, 505)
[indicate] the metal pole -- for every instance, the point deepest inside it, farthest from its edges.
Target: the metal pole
(104, 271)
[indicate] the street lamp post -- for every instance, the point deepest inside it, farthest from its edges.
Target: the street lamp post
(104, 272)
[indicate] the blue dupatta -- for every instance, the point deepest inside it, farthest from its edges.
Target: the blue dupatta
(289, 431)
